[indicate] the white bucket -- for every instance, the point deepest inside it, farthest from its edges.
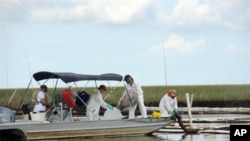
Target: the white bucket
(38, 116)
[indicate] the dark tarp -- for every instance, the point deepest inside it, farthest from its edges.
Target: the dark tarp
(68, 77)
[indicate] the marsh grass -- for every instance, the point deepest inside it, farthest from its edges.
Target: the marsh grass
(152, 94)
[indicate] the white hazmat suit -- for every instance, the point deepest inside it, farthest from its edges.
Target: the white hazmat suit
(133, 94)
(167, 105)
(95, 102)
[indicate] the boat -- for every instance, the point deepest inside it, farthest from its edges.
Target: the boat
(60, 123)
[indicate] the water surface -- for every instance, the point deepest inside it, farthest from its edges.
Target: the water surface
(159, 137)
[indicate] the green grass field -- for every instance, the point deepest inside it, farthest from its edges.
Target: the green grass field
(152, 94)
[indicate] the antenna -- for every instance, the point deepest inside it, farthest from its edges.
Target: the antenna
(142, 74)
(164, 55)
(6, 69)
(27, 58)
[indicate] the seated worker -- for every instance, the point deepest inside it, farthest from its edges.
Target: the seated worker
(41, 104)
(95, 102)
(168, 104)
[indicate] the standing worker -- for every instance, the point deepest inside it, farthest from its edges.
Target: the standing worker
(133, 94)
(168, 104)
(95, 102)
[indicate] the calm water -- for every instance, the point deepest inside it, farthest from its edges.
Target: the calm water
(197, 137)
(160, 137)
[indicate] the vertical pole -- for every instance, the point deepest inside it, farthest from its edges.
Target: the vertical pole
(191, 101)
(6, 69)
(165, 66)
(189, 110)
(12, 96)
(61, 109)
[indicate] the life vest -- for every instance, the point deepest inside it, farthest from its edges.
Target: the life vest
(68, 98)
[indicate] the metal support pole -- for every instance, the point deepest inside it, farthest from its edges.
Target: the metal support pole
(189, 110)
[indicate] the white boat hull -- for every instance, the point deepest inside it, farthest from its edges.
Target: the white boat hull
(76, 129)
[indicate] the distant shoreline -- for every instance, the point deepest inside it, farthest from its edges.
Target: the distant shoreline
(203, 95)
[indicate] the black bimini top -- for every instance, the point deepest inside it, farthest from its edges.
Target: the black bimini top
(68, 77)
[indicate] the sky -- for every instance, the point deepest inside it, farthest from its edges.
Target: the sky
(158, 42)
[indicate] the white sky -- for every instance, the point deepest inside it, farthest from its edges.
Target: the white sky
(203, 41)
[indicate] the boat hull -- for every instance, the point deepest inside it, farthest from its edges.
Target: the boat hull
(81, 129)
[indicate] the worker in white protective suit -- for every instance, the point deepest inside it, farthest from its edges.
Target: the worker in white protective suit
(132, 96)
(95, 102)
(168, 104)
